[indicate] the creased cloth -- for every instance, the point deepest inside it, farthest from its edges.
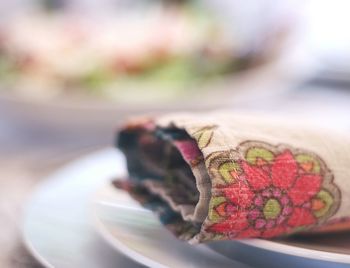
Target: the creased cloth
(220, 176)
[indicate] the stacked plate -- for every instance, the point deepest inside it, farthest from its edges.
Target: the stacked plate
(77, 219)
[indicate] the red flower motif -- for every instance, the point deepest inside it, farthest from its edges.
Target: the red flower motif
(269, 197)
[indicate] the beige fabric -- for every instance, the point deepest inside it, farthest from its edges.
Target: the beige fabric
(232, 129)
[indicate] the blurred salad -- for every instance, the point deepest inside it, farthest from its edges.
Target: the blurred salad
(166, 48)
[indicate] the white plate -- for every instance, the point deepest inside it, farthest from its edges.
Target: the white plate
(56, 228)
(138, 233)
(57, 225)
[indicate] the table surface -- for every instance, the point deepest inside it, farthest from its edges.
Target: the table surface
(35, 140)
(33, 144)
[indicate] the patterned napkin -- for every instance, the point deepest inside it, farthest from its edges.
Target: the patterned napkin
(220, 176)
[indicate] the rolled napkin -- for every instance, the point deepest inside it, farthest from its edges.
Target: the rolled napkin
(220, 176)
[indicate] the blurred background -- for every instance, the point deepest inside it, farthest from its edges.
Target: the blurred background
(72, 71)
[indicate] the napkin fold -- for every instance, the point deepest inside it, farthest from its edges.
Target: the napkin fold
(219, 176)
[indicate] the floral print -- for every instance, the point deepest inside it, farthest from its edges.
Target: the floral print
(203, 136)
(205, 186)
(261, 190)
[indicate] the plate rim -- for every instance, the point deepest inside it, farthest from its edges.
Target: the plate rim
(57, 175)
(115, 243)
(33, 252)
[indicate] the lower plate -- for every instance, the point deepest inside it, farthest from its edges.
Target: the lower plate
(60, 218)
